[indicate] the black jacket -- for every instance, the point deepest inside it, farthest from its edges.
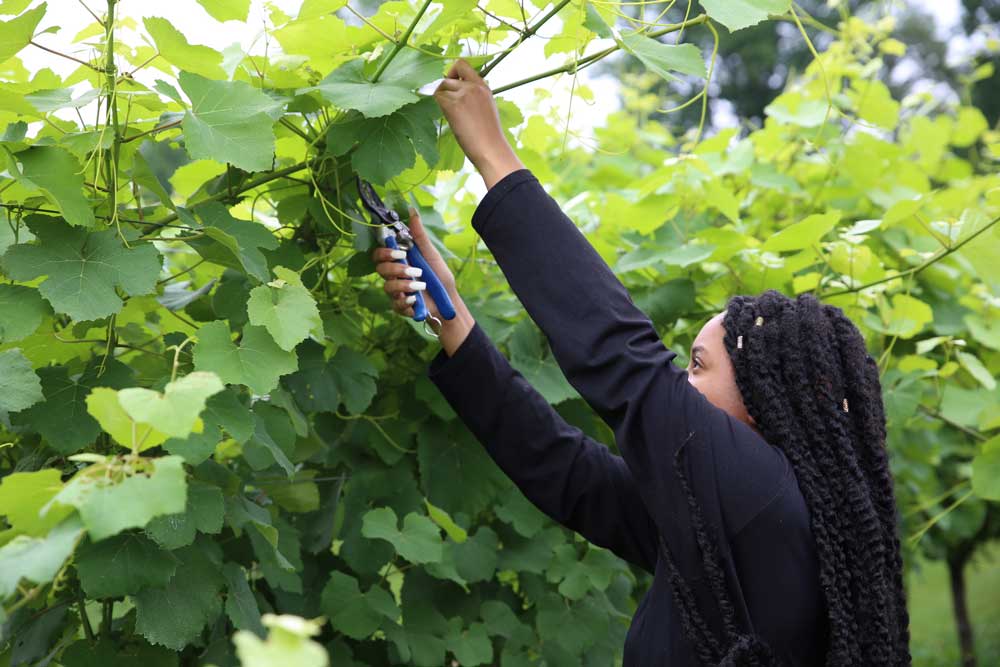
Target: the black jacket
(613, 356)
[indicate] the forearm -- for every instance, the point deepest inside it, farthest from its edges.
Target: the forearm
(453, 332)
(501, 161)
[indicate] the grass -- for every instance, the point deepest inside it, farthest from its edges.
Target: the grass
(934, 640)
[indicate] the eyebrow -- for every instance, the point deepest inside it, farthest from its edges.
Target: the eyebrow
(696, 349)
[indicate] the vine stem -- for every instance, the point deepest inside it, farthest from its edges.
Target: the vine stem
(159, 128)
(249, 185)
(594, 57)
(111, 180)
(524, 36)
(402, 40)
(916, 269)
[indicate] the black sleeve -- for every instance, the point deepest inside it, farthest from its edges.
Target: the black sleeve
(573, 479)
(611, 353)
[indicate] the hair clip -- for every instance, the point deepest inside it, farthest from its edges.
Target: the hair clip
(845, 404)
(759, 322)
(739, 342)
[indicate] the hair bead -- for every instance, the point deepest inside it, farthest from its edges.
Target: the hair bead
(845, 404)
(739, 342)
(759, 321)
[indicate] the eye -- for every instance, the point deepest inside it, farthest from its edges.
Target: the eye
(695, 363)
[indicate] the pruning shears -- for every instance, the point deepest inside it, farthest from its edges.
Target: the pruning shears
(393, 233)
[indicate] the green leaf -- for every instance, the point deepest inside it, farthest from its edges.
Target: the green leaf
(20, 387)
(21, 312)
(313, 385)
(229, 121)
(203, 512)
(352, 612)
(985, 470)
(802, 234)
(227, 10)
(444, 455)
(59, 176)
(262, 449)
(258, 362)
(286, 309)
(444, 520)
(287, 644)
(241, 606)
(16, 33)
(37, 559)
(108, 505)
(82, 269)
(176, 411)
(665, 58)
(231, 242)
(976, 368)
(174, 616)
(62, 418)
(387, 145)
(174, 47)
(22, 496)
(349, 88)
(471, 645)
(123, 565)
(476, 558)
(355, 377)
(418, 542)
(738, 14)
(104, 405)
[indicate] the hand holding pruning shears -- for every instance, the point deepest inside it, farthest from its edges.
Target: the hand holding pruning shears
(416, 277)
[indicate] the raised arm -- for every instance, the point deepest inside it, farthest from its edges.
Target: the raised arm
(573, 479)
(608, 348)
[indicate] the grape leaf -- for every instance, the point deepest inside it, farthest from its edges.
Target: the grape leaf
(241, 606)
(313, 385)
(59, 175)
(174, 616)
(286, 309)
(664, 59)
(20, 387)
(83, 268)
(232, 242)
(737, 14)
(108, 507)
(62, 418)
(229, 121)
(287, 644)
(419, 541)
(37, 559)
(352, 612)
(349, 88)
(387, 145)
(174, 47)
(258, 362)
(227, 10)
(16, 33)
(203, 512)
(21, 312)
(123, 565)
(804, 233)
(174, 412)
(471, 645)
(22, 496)
(355, 377)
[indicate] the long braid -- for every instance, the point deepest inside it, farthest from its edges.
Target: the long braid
(796, 362)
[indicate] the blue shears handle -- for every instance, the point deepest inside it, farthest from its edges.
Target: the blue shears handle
(434, 286)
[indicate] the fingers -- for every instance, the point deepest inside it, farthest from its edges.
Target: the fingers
(390, 270)
(463, 70)
(403, 305)
(449, 85)
(395, 286)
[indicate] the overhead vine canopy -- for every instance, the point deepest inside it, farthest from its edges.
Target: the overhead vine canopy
(213, 424)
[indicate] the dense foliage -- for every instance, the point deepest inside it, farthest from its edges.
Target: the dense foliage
(213, 426)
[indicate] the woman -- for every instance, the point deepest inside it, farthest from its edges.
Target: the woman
(754, 485)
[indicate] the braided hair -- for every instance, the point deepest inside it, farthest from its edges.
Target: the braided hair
(813, 390)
